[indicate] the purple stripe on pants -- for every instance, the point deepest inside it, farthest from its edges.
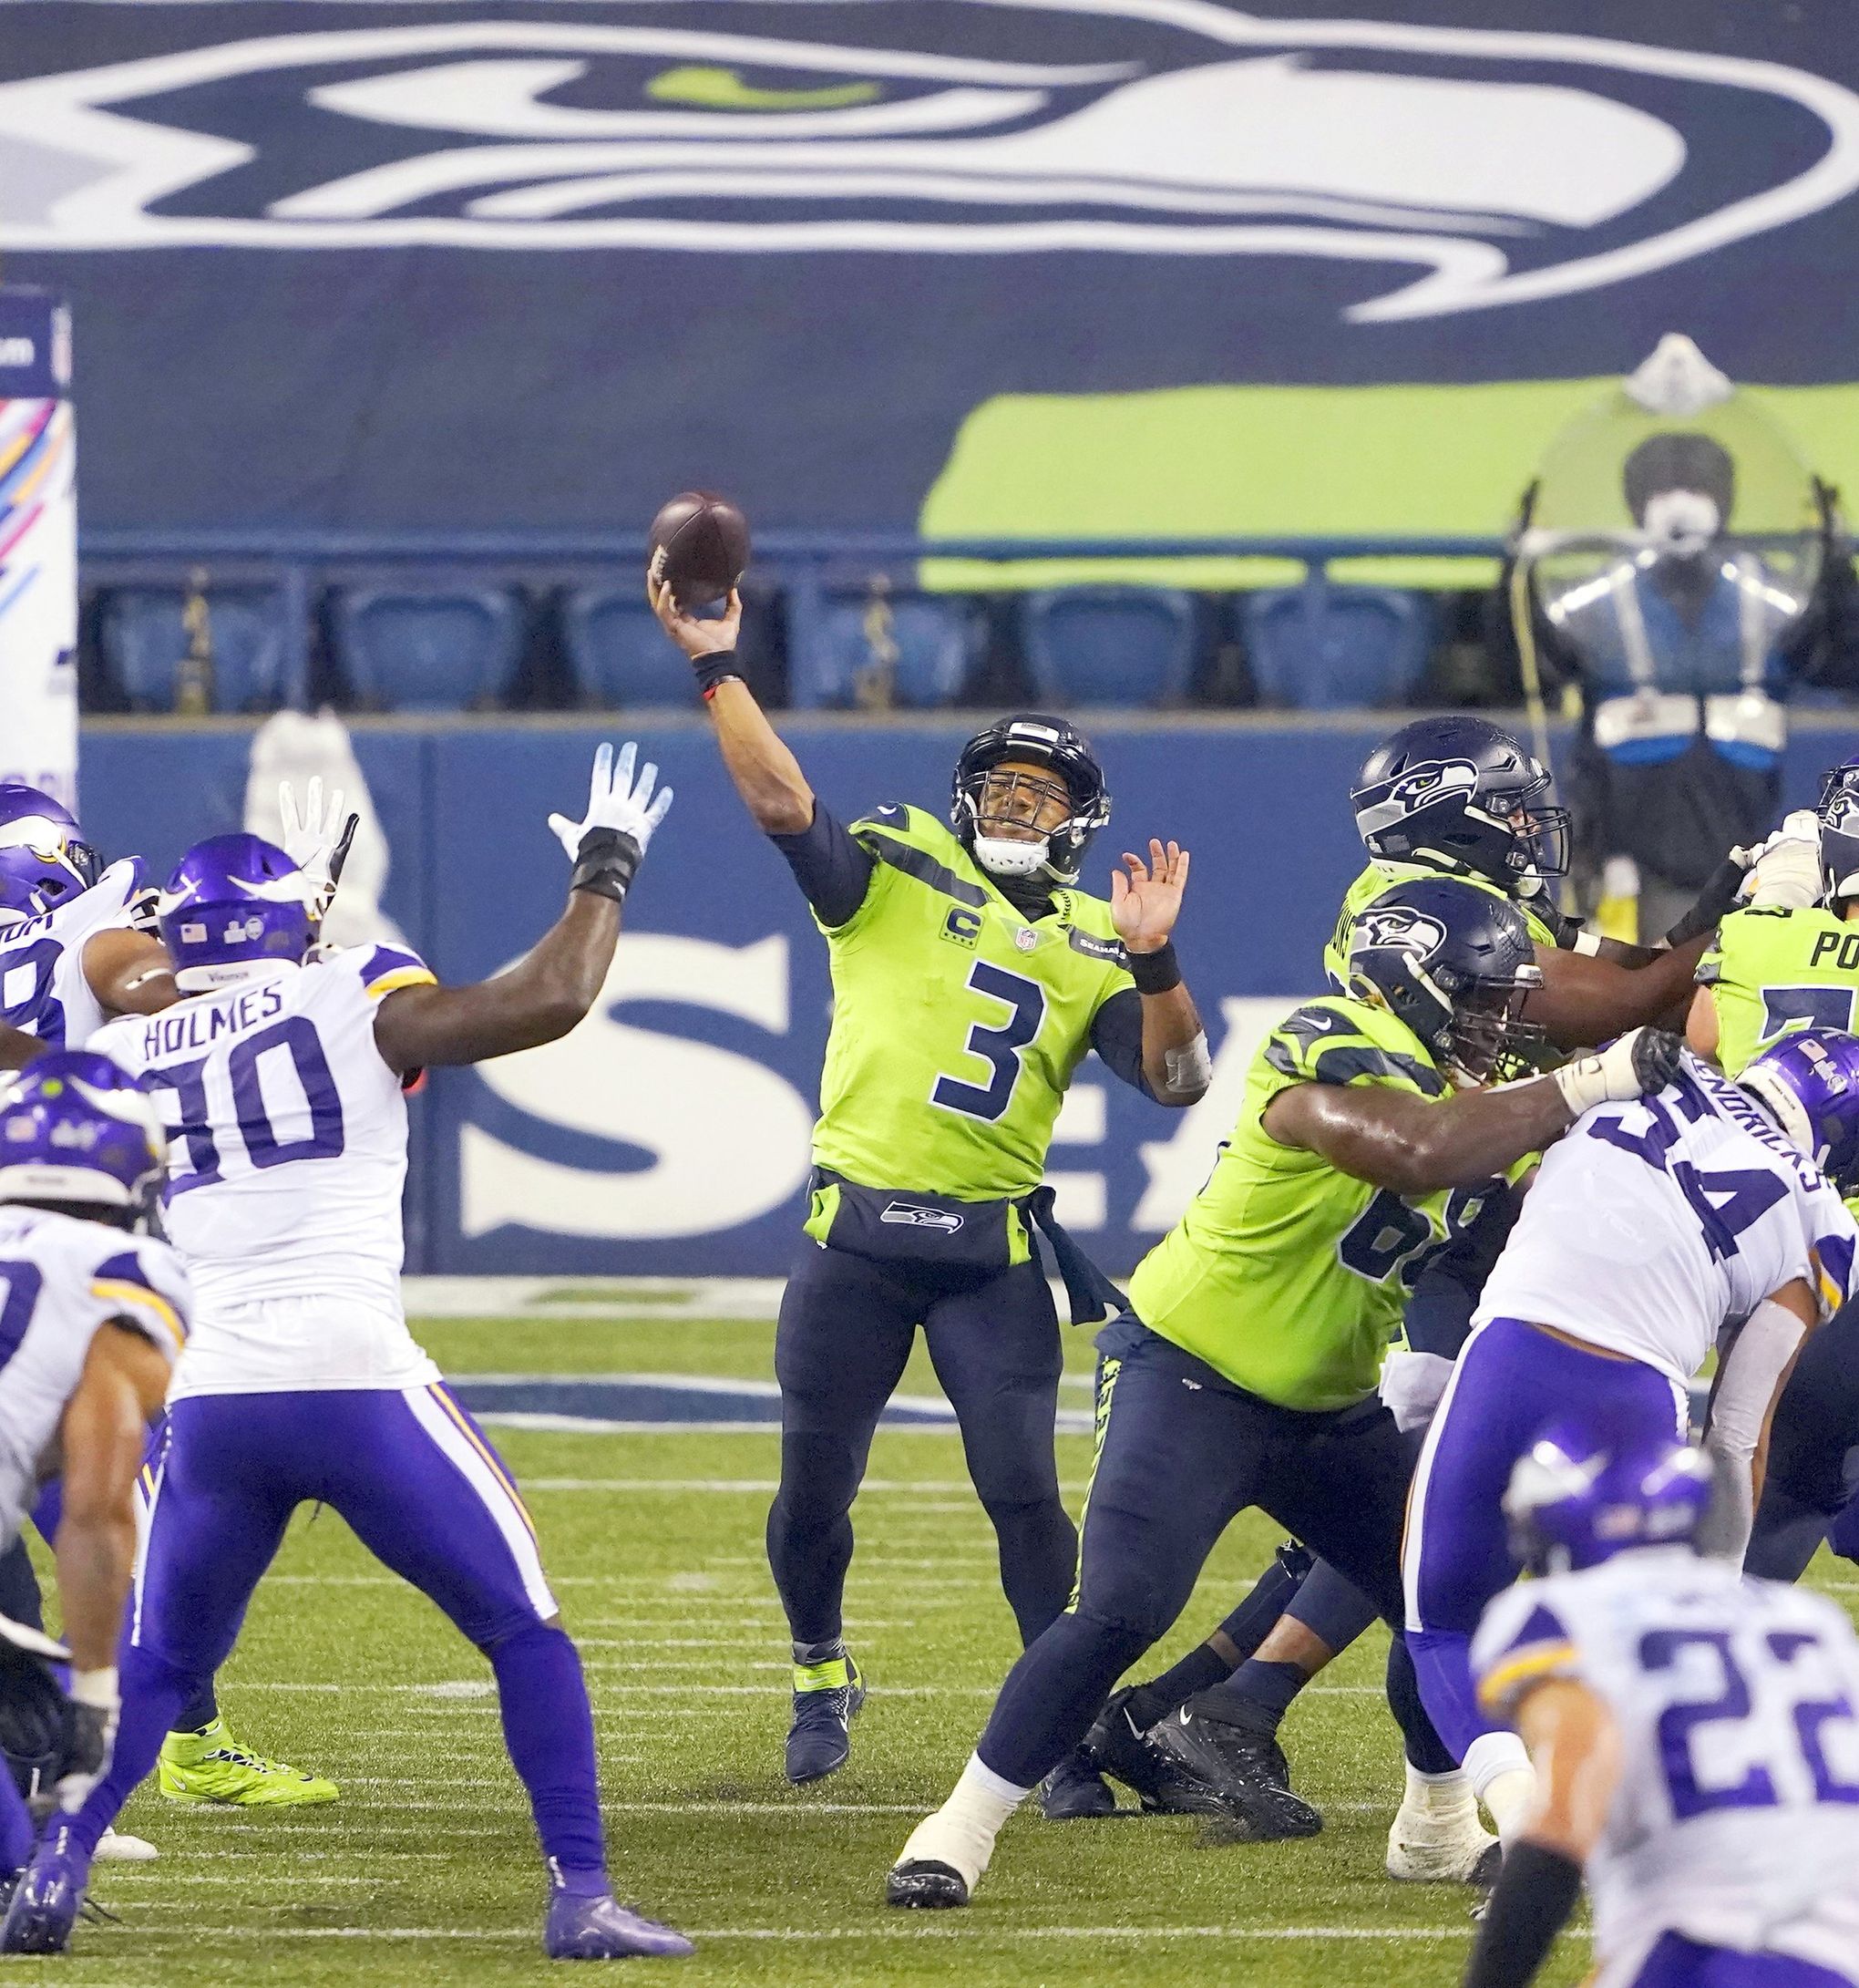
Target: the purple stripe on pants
(1511, 1380)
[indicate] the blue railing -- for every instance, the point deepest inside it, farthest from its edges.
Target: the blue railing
(802, 565)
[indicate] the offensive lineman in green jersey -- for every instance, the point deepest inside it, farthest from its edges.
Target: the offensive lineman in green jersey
(970, 978)
(1790, 963)
(1244, 1370)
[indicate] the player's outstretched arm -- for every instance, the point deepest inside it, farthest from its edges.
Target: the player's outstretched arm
(1751, 1380)
(1416, 1145)
(102, 1435)
(766, 774)
(553, 985)
(1576, 1748)
(18, 1048)
(1144, 903)
(1586, 999)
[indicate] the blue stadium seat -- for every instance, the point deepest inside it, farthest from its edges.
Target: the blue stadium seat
(144, 636)
(425, 650)
(1324, 648)
(904, 650)
(618, 653)
(1131, 646)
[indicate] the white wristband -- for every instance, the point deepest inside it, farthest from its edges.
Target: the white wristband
(1190, 1069)
(96, 1688)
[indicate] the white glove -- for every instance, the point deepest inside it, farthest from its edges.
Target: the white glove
(1642, 1060)
(1786, 871)
(318, 839)
(614, 802)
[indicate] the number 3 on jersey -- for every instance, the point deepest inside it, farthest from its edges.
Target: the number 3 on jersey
(999, 1046)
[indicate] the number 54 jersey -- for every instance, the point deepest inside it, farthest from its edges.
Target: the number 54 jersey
(1653, 1225)
(286, 1164)
(1735, 1820)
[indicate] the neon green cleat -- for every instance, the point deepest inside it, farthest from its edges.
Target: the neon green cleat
(210, 1766)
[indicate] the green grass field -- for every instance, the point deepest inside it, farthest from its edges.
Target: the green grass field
(427, 1870)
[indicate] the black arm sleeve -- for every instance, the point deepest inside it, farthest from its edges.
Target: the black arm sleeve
(1116, 1035)
(1534, 1898)
(831, 868)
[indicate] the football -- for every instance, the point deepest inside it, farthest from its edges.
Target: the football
(700, 544)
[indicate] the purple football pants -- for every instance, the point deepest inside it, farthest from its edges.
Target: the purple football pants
(1511, 1382)
(1679, 1963)
(424, 1491)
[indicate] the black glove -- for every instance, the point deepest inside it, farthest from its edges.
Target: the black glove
(1656, 1057)
(87, 1743)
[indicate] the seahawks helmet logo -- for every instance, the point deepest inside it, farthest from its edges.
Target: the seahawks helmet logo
(1420, 786)
(1397, 930)
(1465, 167)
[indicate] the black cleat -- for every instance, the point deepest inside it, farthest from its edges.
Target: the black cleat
(827, 1698)
(1132, 1757)
(1074, 1789)
(923, 1885)
(1241, 1773)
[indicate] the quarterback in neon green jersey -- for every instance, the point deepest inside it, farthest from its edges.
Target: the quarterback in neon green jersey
(970, 976)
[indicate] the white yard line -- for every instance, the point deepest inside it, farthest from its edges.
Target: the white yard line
(914, 1927)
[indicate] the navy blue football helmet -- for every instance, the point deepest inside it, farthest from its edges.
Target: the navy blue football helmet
(1462, 796)
(1839, 833)
(233, 899)
(43, 858)
(1455, 962)
(1580, 1495)
(1077, 781)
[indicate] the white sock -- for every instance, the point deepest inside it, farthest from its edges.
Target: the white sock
(1437, 1796)
(961, 1833)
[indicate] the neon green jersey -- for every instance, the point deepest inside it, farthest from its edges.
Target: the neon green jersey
(1771, 970)
(1379, 877)
(957, 1022)
(1285, 1274)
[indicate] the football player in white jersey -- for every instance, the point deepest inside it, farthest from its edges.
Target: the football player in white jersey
(1650, 1228)
(92, 1320)
(1698, 1734)
(74, 953)
(279, 1076)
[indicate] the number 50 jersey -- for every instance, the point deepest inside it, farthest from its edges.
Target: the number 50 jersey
(1653, 1225)
(1735, 1822)
(287, 1131)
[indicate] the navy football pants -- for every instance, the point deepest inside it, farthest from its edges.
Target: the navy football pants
(847, 1326)
(1816, 1428)
(1184, 1453)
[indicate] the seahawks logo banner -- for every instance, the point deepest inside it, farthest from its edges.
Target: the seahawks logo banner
(857, 261)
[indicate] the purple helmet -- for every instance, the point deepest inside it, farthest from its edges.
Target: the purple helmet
(1810, 1080)
(1579, 1495)
(43, 858)
(74, 1126)
(232, 900)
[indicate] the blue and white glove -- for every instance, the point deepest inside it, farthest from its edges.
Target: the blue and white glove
(608, 842)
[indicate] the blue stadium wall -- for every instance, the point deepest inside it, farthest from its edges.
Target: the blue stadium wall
(668, 1135)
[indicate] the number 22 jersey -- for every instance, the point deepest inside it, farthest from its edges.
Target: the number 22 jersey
(286, 1163)
(1735, 1820)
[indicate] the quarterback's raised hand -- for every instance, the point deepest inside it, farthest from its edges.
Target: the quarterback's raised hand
(710, 645)
(606, 844)
(1146, 898)
(317, 839)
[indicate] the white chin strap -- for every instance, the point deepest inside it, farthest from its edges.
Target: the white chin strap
(1786, 1106)
(1002, 855)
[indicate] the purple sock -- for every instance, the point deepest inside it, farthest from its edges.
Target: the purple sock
(548, 1728)
(153, 1692)
(17, 1833)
